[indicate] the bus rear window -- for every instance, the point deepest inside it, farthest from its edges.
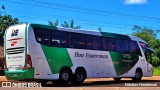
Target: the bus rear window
(42, 36)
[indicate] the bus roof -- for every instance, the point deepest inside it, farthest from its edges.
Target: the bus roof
(92, 32)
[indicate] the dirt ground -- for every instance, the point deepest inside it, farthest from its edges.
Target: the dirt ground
(3, 78)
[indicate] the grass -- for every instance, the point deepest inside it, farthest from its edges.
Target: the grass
(156, 71)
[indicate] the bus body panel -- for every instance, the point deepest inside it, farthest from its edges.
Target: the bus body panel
(39, 61)
(15, 48)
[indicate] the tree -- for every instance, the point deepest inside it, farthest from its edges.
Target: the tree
(64, 24)
(3, 8)
(146, 34)
(6, 21)
(150, 36)
(53, 24)
(100, 29)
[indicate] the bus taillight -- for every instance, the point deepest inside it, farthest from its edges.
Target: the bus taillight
(28, 62)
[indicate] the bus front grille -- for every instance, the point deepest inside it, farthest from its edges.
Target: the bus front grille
(16, 50)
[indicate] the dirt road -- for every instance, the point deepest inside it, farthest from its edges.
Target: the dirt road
(147, 83)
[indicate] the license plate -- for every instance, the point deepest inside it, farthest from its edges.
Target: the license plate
(14, 74)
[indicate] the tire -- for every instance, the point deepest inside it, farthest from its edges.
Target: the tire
(117, 79)
(65, 76)
(79, 77)
(138, 75)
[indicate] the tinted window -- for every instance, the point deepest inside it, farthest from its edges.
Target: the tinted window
(94, 42)
(77, 41)
(122, 45)
(42, 35)
(58, 39)
(134, 48)
(109, 44)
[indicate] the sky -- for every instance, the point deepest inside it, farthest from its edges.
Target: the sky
(115, 16)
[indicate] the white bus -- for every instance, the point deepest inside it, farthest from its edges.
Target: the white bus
(45, 53)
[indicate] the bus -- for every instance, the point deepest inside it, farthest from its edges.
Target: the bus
(46, 53)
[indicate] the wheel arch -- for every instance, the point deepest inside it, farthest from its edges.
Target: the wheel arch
(139, 70)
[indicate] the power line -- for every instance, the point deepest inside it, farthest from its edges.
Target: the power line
(89, 11)
(29, 14)
(35, 17)
(84, 22)
(48, 15)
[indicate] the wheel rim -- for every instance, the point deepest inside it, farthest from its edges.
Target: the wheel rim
(65, 76)
(80, 76)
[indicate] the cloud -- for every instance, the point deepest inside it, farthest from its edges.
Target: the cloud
(135, 1)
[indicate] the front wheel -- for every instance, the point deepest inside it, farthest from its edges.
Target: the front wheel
(117, 79)
(138, 75)
(43, 82)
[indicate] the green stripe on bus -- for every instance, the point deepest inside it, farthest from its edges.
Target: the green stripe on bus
(44, 26)
(121, 64)
(57, 58)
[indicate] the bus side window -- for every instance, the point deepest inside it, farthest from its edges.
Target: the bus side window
(94, 42)
(59, 39)
(97, 43)
(122, 45)
(134, 48)
(77, 41)
(89, 42)
(42, 35)
(109, 44)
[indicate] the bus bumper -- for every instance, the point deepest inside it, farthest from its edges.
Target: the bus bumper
(20, 74)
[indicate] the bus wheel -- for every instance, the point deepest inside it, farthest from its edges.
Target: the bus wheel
(138, 75)
(79, 76)
(117, 79)
(65, 76)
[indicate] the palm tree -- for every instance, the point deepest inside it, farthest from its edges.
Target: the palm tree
(3, 8)
(64, 24)
(53, 24)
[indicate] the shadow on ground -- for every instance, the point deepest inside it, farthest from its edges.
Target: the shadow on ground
(103, 83)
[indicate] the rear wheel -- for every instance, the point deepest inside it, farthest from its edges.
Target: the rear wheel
(65, 76)
(79, 77)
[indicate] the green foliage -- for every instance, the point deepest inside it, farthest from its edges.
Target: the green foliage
(64, 24)
(156, 71)
(6, 21)
(100, 29)
(150, 36)
(155, 61)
